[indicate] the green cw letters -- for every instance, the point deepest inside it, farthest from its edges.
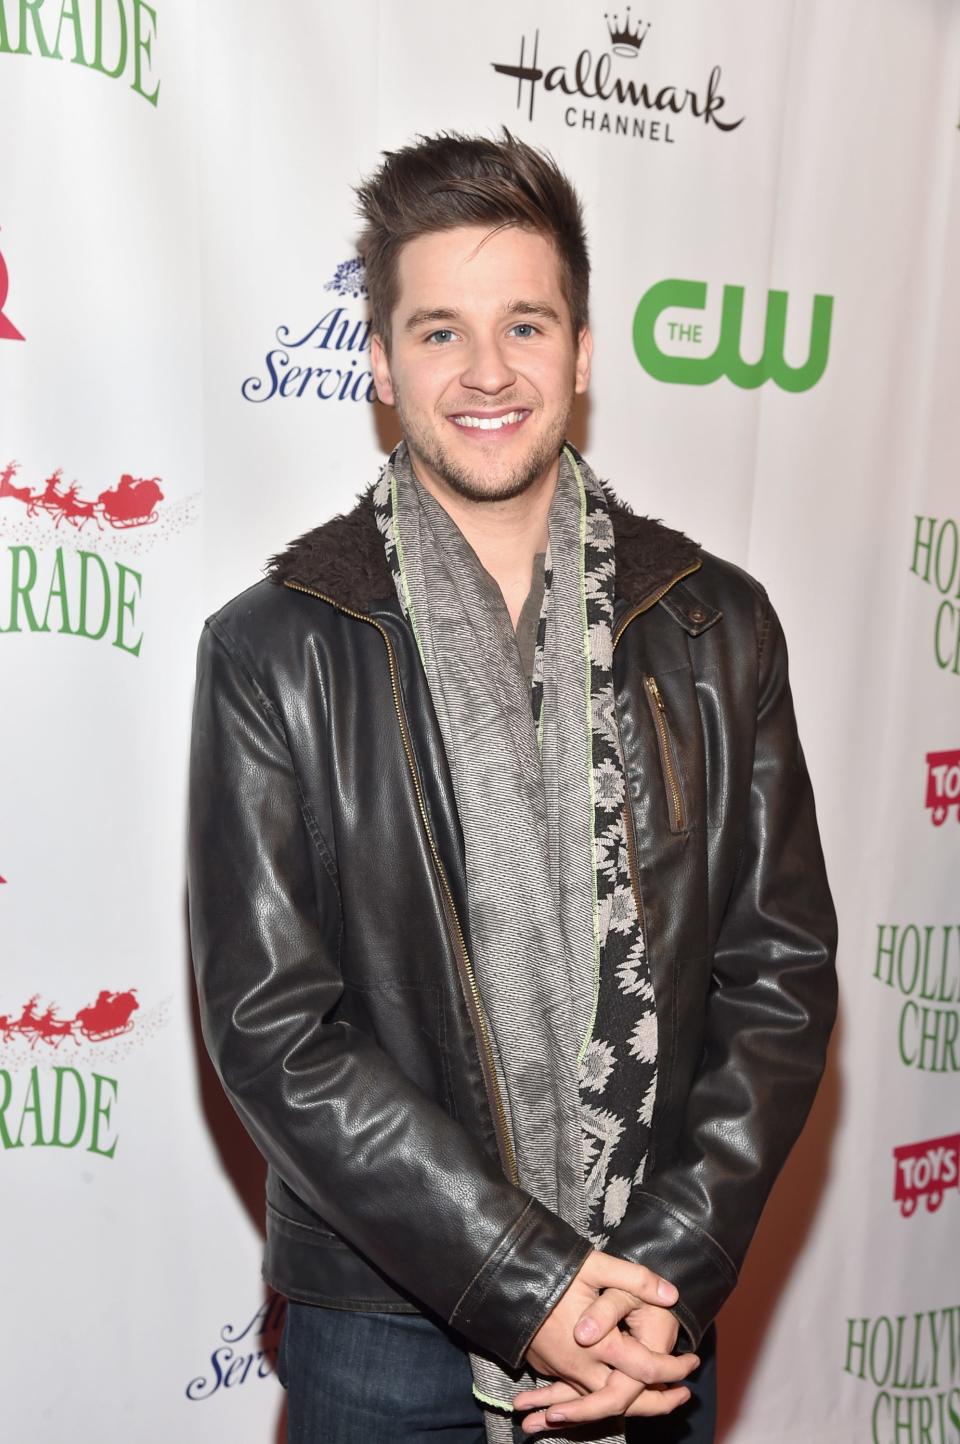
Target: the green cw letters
(726, 359)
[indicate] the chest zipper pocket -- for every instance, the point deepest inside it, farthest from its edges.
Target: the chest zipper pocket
(668, 756)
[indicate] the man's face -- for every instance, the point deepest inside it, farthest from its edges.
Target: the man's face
(483, 365)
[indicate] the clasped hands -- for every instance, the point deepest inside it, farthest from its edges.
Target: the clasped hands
(602, 1371)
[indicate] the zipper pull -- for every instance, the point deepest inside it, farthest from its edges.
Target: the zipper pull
(654, 691)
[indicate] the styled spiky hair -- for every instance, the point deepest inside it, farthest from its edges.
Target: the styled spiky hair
(449, 180)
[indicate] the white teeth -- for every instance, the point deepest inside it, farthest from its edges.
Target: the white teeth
(488, 423)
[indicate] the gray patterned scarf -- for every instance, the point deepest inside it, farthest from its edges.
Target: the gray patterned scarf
(557, 943)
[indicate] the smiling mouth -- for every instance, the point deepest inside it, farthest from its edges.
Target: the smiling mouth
(477, 422)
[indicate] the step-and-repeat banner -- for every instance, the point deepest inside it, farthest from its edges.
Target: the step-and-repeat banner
(774, 211)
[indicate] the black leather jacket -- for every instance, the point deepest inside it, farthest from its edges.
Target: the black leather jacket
(329, 926)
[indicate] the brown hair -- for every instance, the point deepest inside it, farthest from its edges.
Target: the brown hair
(450, 180)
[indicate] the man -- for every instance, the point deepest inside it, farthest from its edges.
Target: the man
(512, 934)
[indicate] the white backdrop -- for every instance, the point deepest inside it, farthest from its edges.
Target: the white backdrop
(176, 239)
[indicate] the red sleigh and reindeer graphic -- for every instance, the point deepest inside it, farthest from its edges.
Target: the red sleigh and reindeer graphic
(108, 1017)
(132, 502)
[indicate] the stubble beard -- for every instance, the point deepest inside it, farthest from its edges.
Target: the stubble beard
(471, 482)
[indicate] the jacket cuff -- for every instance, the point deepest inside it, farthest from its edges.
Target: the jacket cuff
(660, 1237)
(531, 1267)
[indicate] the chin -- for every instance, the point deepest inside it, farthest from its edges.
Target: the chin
(482, 476)
(502, 484)
(502, 480)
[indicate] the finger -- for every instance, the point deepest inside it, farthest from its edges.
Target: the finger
(631, 1357)
(657, 1401)
(558, 1393)
(654, 1327)
(617, 1400)
(604, 1314)
(610, 1402)
(587, 1380)
(603, 1271)
(572, 1365)
(534, 1423)
(539, 1400)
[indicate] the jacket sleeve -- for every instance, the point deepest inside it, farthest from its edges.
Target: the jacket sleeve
(770, 1011)
(354, 1138)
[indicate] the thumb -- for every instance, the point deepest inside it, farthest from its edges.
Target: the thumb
(602, 1271)
(604, 1314)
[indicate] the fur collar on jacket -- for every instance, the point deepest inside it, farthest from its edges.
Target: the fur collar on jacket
(344, 558)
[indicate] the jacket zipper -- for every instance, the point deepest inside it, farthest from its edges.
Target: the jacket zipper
(652, 600)
(664, 743)
(658, 711)
(468, 977)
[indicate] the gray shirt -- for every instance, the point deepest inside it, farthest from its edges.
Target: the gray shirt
(529, 617)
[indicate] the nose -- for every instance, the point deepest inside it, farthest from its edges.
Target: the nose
(487, 367)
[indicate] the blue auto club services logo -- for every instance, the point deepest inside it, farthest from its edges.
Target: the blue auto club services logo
(293, 370)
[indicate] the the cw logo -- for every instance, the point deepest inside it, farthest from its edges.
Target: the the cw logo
(726, 359)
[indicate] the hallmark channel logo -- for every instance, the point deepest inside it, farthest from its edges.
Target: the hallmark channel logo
(231, 1366)
(920, 963)
(912, 1361)
(686, 362)
(341, 335)
(943, 785)
(936, 561)
(926, 1171)
(116, 39)
(646, 108)
(8, 331)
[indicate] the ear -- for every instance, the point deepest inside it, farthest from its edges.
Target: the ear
(380, 366)
(584, 358)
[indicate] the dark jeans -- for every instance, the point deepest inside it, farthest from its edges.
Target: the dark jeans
(359, 1378)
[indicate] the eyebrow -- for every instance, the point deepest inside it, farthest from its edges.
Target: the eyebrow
(534, 308)
(425, 317)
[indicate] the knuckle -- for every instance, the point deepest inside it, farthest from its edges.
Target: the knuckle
(620, 1407)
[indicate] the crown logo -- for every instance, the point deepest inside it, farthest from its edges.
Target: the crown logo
(626, 39)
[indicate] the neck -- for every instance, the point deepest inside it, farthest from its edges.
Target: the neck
(506, 535)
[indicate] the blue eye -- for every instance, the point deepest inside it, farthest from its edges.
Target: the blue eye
(440, 337)
(525, 329)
